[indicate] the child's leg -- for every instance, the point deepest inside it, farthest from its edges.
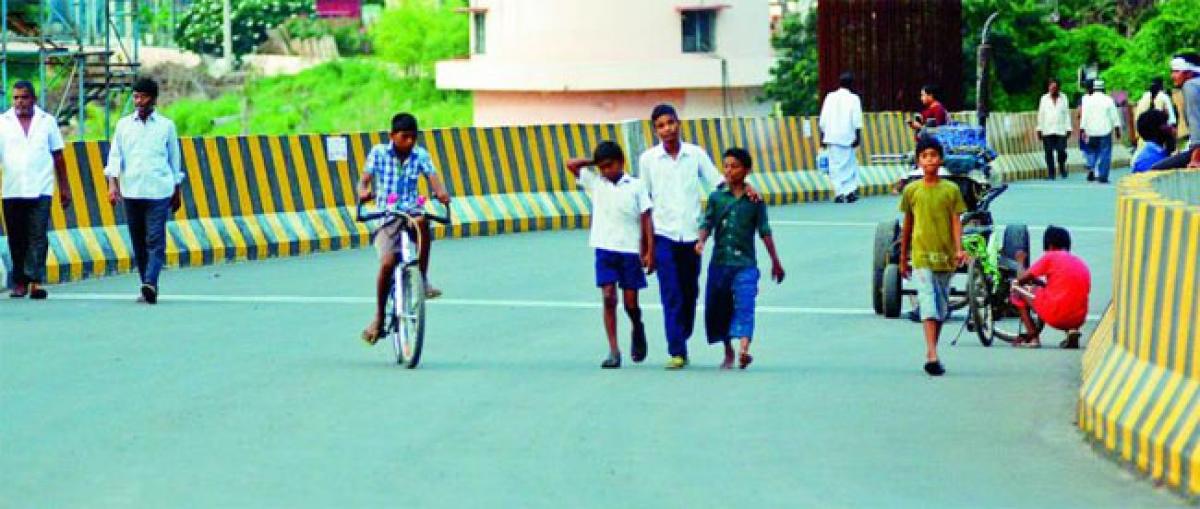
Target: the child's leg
(728, 362)
(609, 292)
(745, 292)
(932, 330)
(631, 306)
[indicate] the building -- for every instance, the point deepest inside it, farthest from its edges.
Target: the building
(550, 61)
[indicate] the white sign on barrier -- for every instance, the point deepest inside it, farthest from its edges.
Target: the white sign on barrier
(807, 128)
(335, 149)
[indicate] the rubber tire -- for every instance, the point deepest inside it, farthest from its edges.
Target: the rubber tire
(891, 291)
(415, 287)
(1016, 238)
(885, 238)
(975, 314)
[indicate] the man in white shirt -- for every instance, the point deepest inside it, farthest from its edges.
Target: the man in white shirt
(674, 173)
(1098, 122)
(841, 131)
(144, 170)
(1053, 126)
(31, 150)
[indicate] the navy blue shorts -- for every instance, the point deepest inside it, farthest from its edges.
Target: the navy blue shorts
(622, 269)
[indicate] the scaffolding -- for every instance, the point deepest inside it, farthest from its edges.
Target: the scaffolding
(85, 51)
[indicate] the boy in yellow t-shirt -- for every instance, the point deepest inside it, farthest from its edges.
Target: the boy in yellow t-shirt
(932, 241)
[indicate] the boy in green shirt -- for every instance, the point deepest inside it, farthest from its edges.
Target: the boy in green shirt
(733, 272)
(932, 241)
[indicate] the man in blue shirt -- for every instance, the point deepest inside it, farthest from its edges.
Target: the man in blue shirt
(1185, 73)
(394, 169)
(144, 170)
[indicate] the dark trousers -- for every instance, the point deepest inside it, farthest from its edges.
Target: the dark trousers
(678, 268)
(147, 221)
(27, 221)
(1055, 146)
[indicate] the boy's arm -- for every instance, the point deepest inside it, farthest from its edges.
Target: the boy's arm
(648, 241)
(960, 256)
(364, 187)
(776, 267)
(577, 164)
(905, 240)
(439, 189)
(706, 223)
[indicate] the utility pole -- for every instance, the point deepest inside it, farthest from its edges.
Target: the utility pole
(227, 29)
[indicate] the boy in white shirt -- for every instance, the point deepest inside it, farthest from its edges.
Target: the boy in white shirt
(623, 237)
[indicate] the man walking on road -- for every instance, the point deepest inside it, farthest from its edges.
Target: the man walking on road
(841, 131)
(1098, 122)
(144, 170)
(1053, 126)
(31, 150)
(1185, 73)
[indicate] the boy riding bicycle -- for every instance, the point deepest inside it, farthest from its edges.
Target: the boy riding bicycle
(393, 169)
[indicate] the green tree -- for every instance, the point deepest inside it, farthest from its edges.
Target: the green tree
(418, 33)
(794, 82)
(200, 27)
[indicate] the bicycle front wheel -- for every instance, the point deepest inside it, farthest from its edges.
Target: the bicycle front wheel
(410, 315)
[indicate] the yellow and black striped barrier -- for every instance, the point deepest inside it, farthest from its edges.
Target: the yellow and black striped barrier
(1140, 397)
(253, 197)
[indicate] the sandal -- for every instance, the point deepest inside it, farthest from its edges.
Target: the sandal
(744, 360)
(1029, 343)
(1072, 341)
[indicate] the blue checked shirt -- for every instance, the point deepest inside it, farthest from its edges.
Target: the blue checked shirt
(392, 176)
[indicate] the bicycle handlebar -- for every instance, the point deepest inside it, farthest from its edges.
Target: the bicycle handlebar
(411, 213)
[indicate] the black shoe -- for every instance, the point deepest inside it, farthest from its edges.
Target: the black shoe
(839, 199)
(612, 362)
(1102, 181)
(149, 294)
(852, 197)
(36, 292)
(915, 315)
(637, 346)
(1091, 177)
(1063, 174)
(935, 368)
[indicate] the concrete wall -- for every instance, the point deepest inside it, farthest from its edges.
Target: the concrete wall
(499, 108)
(1140, 398)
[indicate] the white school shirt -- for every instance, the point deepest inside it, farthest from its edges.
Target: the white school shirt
(674, 184)
(616, 211)
(1098, 114)
(27, 160)
(144, 156)
(1054, 116)
(841, 116)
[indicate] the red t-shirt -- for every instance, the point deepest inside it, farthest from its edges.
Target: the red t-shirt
(937, 112)
(1063, 303)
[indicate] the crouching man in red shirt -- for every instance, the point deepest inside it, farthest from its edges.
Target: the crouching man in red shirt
(1057, 287)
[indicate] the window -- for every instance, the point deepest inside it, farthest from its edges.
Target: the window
(480, 22)
(698, 30)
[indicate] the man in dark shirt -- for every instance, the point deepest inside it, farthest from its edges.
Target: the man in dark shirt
(934, 114)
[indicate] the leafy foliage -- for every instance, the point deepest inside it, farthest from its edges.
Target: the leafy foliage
(794, 83)
(418, 33)
(348, 95)
(200, 28)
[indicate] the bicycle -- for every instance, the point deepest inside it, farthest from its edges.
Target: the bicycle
(405, 325)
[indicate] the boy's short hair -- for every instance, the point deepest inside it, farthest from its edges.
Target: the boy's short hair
(1150, 125)
(1054, 81)
(663, 109)
(1057, 237)
(404, 122)
(929, 142)
(930, 89)
(25, 85)
(146, 86)
(742, 156)
(607, 151)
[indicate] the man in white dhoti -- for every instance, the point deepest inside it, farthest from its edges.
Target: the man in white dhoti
(841, 131)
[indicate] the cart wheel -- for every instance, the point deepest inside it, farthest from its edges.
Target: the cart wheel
(885, 236)
(891, 291)
(1016, 238)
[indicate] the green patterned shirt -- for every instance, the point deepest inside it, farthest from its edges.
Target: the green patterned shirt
(731, 221)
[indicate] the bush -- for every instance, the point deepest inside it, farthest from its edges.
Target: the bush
(418, 33)
(200, 27)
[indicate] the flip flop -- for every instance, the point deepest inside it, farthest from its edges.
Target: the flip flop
(1028, 344)
(1072, 341)
(744, 360)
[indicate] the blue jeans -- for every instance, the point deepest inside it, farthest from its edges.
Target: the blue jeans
(679, 286)
(729, 302)
(1099, 155)
(147, 221)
